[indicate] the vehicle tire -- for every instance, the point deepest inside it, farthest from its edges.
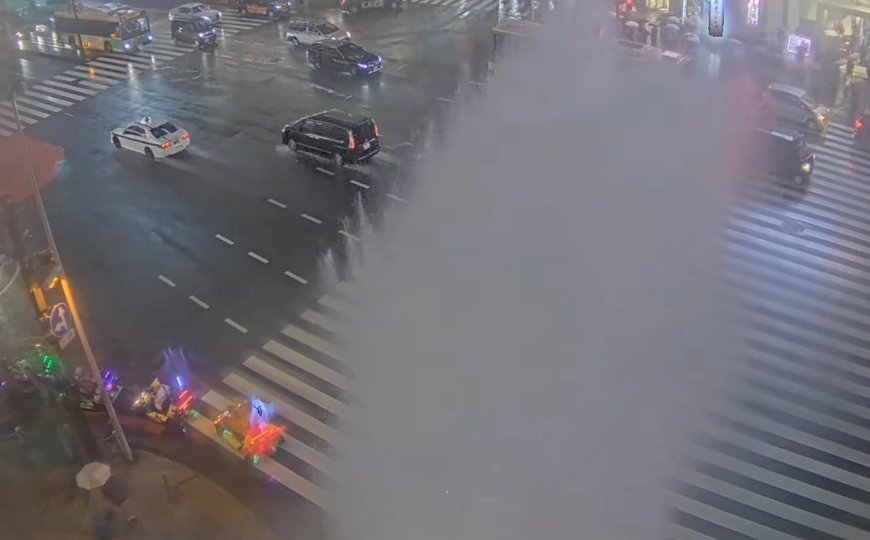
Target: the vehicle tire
(315, 63)
(175, 40)
(799, 180)
(149, 154)
(812, 124)
(294, 41)
(291, 144)
(337, 161)
(107, 47)
(116, 142)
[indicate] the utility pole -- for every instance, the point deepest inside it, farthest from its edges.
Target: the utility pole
(67, 290)
(75, 11)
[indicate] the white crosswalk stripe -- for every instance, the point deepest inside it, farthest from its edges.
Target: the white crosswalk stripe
(789, 458)
(9, 115)
(71, 88)
(24, 109)
(465, 7)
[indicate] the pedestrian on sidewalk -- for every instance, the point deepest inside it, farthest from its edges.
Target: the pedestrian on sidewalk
(107, 524)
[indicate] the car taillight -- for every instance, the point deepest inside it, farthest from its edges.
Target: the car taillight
(185, 136)
(859, 123)
(351, 143)
(377, 131)
(165, 145)
(343, 2)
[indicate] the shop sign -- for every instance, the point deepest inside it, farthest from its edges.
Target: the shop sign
(752, 8)
(716, 20)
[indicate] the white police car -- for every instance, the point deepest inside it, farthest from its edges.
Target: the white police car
(154, 137)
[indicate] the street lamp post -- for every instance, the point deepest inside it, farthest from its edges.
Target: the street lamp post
(67, 290)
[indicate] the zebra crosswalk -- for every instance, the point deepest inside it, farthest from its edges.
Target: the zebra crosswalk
(301, 373)
(789, 458)
(463, 7)
(52, 96)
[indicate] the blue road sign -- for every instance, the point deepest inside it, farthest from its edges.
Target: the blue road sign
(61, 321)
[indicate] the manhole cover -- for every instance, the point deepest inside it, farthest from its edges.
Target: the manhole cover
(791, 226)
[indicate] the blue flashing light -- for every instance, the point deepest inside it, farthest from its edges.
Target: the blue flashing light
(180, 382)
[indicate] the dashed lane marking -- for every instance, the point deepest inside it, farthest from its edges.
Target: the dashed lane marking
(198, 302)
(347, 234)
(166, 280)
(236, 325)
(444, 99)
(396, 197)
(258, 257)
(279, 204)
(359, 184)
(293, 276)
(325, 171)
(224, 239)
(312, 219)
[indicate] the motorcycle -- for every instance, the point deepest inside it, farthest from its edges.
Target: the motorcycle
(163, 404)
(89, 396)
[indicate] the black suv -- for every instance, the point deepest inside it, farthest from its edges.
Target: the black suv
(339, 136)
(781, 154)
(344, 56)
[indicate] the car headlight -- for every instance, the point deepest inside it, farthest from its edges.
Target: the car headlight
(362, 66)
(806, 167)
(199, 35)
(820, 118)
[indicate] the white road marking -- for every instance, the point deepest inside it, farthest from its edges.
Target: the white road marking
(444, 99)
(346, 288)
(360, 184)
(321, 320)
(64, 78)
(325, 171)
(476, 83)
(312, 219)
(291, 356)
(198, 302)
(258, 257)
(312, 341)
(236, 325)
(93, 85)
(291, 275)
(166, 280)
(38, 104)
(279, 204)
(347, 234)
(323, 88)
(11, 114)
(89, 76)
(49, 99)
(395, 197)
(224, 239)
(70, 87)
(335, 304)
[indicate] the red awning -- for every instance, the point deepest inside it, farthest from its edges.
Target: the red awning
(14, 180)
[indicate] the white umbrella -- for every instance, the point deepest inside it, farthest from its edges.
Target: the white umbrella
(93, 475)
(631, 24)
(671, 26)
(692, 38)
(672, 19)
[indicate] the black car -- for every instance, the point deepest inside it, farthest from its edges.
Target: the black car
(200, 32)
(344, 56)
(781, 154)
(352, 6)
(272, 9)
(339, 136)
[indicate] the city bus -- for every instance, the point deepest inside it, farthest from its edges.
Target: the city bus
(106, 27)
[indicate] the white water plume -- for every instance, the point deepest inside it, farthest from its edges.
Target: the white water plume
(547, 323)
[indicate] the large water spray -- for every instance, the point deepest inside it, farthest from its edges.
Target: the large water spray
(546, 323)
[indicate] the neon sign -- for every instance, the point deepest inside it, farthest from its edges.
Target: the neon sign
(716, 21)
(752, 8)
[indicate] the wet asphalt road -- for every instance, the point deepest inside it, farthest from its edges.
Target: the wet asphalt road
(122, 222)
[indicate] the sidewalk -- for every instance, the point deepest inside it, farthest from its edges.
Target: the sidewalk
(18, 324)
(169, 500)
